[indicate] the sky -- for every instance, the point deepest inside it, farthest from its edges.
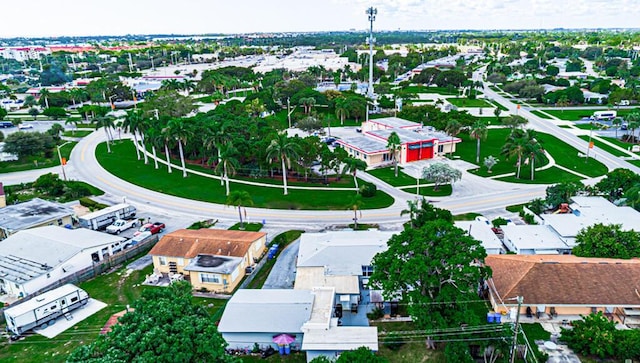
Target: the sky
(53, 18)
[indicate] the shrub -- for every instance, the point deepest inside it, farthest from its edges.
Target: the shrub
(393, 341)
(368, 190)
(529, 219)
(91, 204)
(375, 314)
(499, 222)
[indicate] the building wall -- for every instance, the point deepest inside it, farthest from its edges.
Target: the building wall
(52, 222)
(227, 284)
(247, 340)
(180, 262)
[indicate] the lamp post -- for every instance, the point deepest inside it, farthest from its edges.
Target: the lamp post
(371, 12)
(64, 175)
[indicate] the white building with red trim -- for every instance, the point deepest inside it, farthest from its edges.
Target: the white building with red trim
(417, 142)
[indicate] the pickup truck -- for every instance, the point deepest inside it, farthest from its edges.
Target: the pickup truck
(121, 225)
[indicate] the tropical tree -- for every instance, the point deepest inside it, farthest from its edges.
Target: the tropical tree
(453, 128)
(616, 123)
(607, 241)
(352, 165)
(240, 199)
(441, 173)
(132, 123)
(496, 113)
(44, 94)
(178, 129)
(478, 131)
(632, 196)
(227, 162)
(342, 108)
(562, 102)
(534, 150)
(284, 149)
(489, 162)
(394, 145)
(307, 103)
(412, 211)
(515, 146)
(514, 122)
(106, 123)
(156, 140)
(633, 120)
(355, 205)
(360, 355)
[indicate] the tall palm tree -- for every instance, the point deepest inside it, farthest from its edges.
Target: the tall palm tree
(534, 149)
(44, 93)
(132, 123)
(352, 165)
(412, 211)
(633, 120)
(342, 109)
(106, 123)
(281, 147)
(240, 199)
(515, 146)
(394, 144)
(214, 137)
(355, 205)
(478, 131)
(514, 122)
(179, 130)
(155, 139)
(227, 161)
(453, 128)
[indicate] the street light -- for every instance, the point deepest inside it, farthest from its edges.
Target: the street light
(64, 175)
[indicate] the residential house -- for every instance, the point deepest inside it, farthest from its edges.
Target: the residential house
(533, 240)
(483, 233)
(33, 259)
(565, 285)
(212, 259)
(34, 213)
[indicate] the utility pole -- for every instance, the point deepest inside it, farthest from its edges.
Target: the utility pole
(514, 346)
(372, 17)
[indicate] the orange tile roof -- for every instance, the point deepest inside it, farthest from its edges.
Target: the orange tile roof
(566, 279)
(220, 242)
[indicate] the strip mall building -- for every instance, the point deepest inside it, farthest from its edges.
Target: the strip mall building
(417, 142)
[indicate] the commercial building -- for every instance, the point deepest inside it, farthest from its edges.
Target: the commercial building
(417, 142)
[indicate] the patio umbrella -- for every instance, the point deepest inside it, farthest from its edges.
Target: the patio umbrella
(283, 339)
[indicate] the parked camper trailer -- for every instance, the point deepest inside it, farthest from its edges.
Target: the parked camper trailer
(604, 115)
(101, 219)
(44, 309)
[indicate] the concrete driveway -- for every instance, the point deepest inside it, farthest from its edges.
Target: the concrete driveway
(283, 273)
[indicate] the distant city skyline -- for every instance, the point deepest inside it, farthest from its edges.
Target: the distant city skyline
(52, 18)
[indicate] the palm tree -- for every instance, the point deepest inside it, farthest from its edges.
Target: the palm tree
(514, 122)
(453, 128)
(240, 199)
(394, 145)
(412, 211)
(355, 204)
(214, 138)
(534, 149)
(132, 123)
(633, 120)
(281, 147)
(562, 103)
(227, 162)
(496, 113)
(155, 138)
(515, 146)
(307, 103)
(44, 93)
(352, 165)
(616, 123)
(342, 109)
(478, 131)
(74, 122)
(77, 94)
(105, 122)
(179, 130)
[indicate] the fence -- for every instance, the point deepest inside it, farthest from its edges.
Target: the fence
(91, 271)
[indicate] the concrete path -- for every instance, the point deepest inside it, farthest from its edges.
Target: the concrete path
(283, 273)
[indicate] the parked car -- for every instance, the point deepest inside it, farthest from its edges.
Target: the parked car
(121, 225)
(25, 126)
(137, 239)
(5, 124)
(154, 228)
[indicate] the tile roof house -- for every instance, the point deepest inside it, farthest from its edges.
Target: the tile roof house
(566, 284)
(214, 259)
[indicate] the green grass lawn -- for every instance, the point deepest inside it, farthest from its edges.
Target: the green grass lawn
(39, 162)
(492, 145)
(467, 102)
(611, 150)
(428, 191)
(422, 89)
(466, 216)
(387, 175)
(574, 115)
(249, 227)
(622, 144)
(634, 162)
(77, 133)
(123, 164)
(541, 114)
(552, 175)
(114, 289)
(567, 156)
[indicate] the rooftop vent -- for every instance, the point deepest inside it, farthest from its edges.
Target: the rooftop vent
(210, 261)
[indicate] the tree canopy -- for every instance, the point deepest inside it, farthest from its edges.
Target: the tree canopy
(607, 241)
(165, 326)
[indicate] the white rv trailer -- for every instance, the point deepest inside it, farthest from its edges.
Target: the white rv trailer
(44, 309)
(101, 219)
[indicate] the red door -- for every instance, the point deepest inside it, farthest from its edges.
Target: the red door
(413, 152)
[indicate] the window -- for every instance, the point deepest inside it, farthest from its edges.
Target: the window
(440, 148)
(180, 261)
(59, 222)
(162, 260)
(53, 307)
(74, 299)
(367, 270)
(212, 278)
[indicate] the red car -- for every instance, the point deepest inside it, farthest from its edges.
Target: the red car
(154, 228)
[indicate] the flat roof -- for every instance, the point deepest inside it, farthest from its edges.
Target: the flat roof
(33, 252)
(341, 252)
(309, 277)
(539, 237)
(341, 338)
(24, 215)
(481, 232)
(260, 311)
(322, 310)
(394, 122)
(368, 145)
(227, 265)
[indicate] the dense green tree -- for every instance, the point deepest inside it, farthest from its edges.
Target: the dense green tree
(3, 113)
(562, 193)
(352, 165)
(453, 78)
(163, 326)
(593, 335)
(360, 355)
(25, 144)
(169, 103)
(55, 113)
(607, 241)
(284, 149)
(616, 182)
(435, 269)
